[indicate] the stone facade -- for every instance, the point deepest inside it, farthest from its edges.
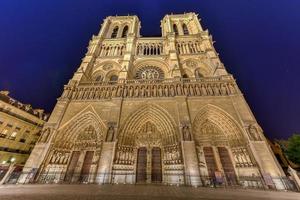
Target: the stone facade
(20, 128)
(152, 109)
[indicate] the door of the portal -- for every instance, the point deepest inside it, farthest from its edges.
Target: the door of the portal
(156, 174)
(72, 165)
(141, 171)
(227, 166)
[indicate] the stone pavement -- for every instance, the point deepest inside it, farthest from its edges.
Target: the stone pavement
(140, 192)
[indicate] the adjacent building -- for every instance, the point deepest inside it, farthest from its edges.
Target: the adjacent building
(153, 110)
(20, 128)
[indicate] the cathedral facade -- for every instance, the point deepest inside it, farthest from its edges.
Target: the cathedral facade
(152, 110)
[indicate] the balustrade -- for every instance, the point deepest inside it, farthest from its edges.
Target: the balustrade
(112, 49)
(151, 88)
(149, 48)
(188, 47)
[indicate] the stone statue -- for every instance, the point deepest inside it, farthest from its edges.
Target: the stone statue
(186, 133)
(254, 133)
(110, 133)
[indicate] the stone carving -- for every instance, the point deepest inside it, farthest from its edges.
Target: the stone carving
(149, 73)
(191, 64)
(186, 132)
(172, 155)
(144, 89)
(110, 132)
(241, 157)
(45, 135)
(124, 155)
(255, 132)
(107, 67)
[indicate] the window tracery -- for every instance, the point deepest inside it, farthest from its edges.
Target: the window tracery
(115, 32)
(125, 31)
(175, 29)
(185, 29)
(150, 72)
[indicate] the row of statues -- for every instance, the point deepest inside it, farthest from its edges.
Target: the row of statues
(241, 157)
(144, 91)
(125, 155)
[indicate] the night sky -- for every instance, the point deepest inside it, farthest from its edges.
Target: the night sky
(42, 44)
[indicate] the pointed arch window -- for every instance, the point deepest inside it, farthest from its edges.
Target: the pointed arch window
(115, 32)
(175, 29)
(125, 31)
(185, 29)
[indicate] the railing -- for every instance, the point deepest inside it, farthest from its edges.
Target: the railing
(189, 47)
(219, 86)
(254, 182)
(149, 47)
(112, 49)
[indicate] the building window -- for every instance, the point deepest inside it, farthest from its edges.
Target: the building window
(149, 72)
(13, 135)
(3, 134)
(185, 29)
(185, 76)
(125, 31)
(175, 29)
(99, 78)
(115, 32)
(113, 78)
(23, 140)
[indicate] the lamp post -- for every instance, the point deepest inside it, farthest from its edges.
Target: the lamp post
(9, 171)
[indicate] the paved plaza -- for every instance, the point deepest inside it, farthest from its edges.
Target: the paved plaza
(140, 192)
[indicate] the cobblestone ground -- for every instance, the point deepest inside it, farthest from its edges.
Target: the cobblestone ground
(140, 192)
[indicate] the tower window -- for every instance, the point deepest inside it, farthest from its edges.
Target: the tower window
(175, 29)
(185, 29)
(125, 31)
(115, 32)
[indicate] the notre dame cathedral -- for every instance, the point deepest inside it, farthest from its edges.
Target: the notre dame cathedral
(152, 110)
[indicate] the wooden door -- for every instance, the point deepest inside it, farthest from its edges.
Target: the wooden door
(85, 171)
(141, 171)
(227, 165)
(156, 174)
(72, 165)
(210, 161)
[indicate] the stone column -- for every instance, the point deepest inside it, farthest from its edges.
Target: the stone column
(8, 173)
(104, 172)
(78, 168)
(191, 163)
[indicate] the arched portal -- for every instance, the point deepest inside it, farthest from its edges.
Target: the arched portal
(76, 150)
(148, 143)
(218, 136)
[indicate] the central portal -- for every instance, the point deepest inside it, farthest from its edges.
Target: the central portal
(149, 167)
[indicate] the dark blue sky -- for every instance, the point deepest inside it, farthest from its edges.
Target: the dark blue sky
(42, 44)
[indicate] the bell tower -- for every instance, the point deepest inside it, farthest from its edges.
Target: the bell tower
(183, 24)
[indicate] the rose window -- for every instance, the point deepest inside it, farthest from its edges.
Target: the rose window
(150, 72)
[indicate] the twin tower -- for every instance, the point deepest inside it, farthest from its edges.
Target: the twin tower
(152, 110)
